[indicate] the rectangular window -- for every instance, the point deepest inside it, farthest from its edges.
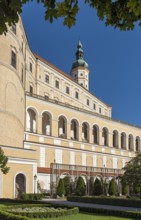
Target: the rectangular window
(14, 28)
(67, 90)
(46, 97)
(94, 106)
(30, 67)
(76, 95)
(31, 89)
(13, 59)
(99, 110)
(57, 84)
(88, 102)
(46, 78)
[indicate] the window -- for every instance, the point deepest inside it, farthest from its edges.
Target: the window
(31, 89)
(88, 102)
(99, 110)
(46, 78)
(14, 28)
(81, 84)
(81, 74)
(30, 67)
(13, 59)
(46, 97)
(57, 84)
(76, 95)
(94, 106)
(67, 90)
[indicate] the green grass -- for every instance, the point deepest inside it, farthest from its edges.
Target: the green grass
(81, 216)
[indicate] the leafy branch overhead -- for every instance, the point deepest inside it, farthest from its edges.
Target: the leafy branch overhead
(122, 14)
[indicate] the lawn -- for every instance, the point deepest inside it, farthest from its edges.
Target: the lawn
(85, 217)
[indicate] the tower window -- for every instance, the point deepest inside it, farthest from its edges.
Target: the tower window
(67, 90)
(13, 59)
(46, 78)
(81, 74)
(76, 95)
(88, 102)
(57, 84)
(30, 67)
(31, 89)
(22, 75)
(94, 106)
(14, 28)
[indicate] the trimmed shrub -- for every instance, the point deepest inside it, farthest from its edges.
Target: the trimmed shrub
(32, 196)
(112, 187)
(107, 201)
(80, 187)
(60, 188)
(124, 188)
(91, 185)
(9, 216)
(67, 185)
(97, 187)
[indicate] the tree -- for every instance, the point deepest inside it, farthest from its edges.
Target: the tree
(3, 162)
(80, 187)
(67, 185)
(120, 14)
(97, 187)
(112, 187)
(60, 188)
(132, 174)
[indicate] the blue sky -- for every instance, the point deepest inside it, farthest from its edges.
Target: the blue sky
(114, 56)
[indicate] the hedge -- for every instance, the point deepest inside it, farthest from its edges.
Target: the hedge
(48, 214)
(106, 201)
(9, 216)
(125, 214)
(32, 196)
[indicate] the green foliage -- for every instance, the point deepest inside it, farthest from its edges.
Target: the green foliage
(67, 185)
(124, 188)
(97, 187)
(122, 14)
(3, 162)
(32, 196)
(132, 174)
(80, 187)
(112, 187)
(60, 188)
(91, 185)
(107, 201)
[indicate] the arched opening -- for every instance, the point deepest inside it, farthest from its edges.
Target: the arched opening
(137, 144)
(115, 139)
(62, 127)
(74, 130)
(105, 136)
(85, 132)
(20, 185)
(130, 142)
(95, 134)
(46, 124)
(31, 121)
(123, 140)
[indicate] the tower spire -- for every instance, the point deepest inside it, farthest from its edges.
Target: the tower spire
(79, 70)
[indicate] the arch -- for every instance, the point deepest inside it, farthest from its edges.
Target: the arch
(31, 124)
(20, 185)
(74, 130)
(138, 143)
(130, 142)
(105, 136)
(123, 140)
(115, 139)
(46, 123)
(62, 127)
(85, 132)
(95, 134)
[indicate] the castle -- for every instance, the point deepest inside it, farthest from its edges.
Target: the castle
(51, 125)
